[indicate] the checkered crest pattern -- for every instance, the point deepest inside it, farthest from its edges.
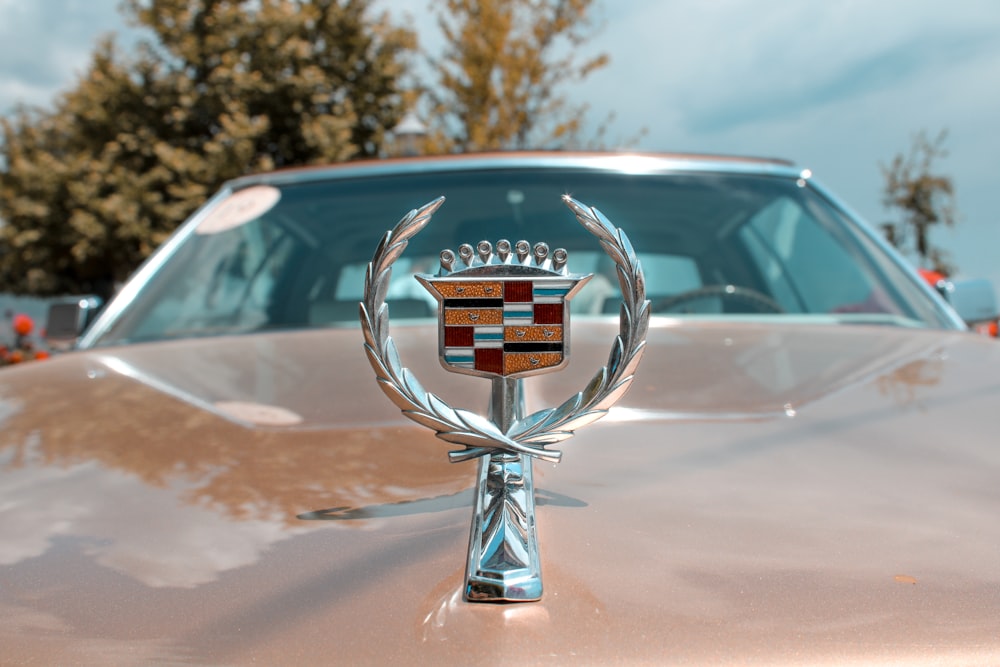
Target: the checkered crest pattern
(503, 326)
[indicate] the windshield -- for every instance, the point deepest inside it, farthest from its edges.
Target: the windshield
(716, 245)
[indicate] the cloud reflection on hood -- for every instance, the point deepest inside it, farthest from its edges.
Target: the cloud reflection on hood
(146, 533)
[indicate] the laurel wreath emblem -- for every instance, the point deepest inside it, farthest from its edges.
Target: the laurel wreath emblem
(532, 434)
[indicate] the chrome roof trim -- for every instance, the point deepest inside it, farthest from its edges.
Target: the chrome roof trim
(628, 163)
(944, 310)
(146, 270)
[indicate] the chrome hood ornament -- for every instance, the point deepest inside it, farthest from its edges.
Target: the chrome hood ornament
(504, 314)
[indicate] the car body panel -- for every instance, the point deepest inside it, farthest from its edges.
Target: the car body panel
(781, 493)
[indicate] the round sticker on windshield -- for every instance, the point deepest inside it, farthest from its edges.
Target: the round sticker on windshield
(240, 208)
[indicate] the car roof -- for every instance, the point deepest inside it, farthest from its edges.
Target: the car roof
(635, 162)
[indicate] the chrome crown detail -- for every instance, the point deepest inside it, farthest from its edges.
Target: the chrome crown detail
(520, 254)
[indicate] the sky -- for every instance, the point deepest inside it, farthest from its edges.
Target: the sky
(839, 87)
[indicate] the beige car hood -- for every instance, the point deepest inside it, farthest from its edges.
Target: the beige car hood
(773, 494)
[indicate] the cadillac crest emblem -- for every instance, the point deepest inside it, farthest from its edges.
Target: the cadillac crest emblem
(503, 314)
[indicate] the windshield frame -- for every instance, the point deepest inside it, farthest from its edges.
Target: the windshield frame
(624, 164)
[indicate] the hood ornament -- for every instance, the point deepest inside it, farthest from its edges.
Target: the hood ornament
(504, 314)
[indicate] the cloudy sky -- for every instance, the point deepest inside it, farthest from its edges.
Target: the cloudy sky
(839, 86)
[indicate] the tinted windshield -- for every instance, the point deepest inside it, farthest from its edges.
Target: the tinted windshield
(294, 255)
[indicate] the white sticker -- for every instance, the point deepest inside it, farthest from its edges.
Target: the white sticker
(239, 208)
(258, 413)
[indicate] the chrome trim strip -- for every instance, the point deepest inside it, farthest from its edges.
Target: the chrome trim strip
(137, 281)
(946, 312)
(630, 163)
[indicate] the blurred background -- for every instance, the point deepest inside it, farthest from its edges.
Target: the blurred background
(854, 91)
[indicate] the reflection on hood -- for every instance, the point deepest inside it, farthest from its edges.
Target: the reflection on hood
(146, 533)
(132, 457)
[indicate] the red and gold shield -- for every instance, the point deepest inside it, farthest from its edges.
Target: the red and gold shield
(504, 321)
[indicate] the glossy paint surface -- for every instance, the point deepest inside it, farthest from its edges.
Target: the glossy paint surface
(771, 493)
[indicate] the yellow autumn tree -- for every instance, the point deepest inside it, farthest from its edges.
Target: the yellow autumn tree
(217, 89)
(500, 81)
(922, 199)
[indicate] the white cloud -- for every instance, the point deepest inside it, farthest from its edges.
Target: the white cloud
(43, 46)
(722, 63)
(838, 87)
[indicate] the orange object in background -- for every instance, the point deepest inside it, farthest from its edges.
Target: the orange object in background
(23, 325)
(988, 329)
(22, 348)
(932, 277)
(936, 279)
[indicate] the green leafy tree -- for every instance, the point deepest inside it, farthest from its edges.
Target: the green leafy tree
(922, 198)
(221, 88)
(500, 78)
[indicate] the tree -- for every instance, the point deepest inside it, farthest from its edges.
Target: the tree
(499, 79)
(923, 199)
(222, 88)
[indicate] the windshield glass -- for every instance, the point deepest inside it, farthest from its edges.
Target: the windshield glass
(722, 245)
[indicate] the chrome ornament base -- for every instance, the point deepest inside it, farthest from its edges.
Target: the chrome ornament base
(503, 564)
(503, 561)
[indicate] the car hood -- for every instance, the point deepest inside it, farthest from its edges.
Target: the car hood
(778, 493)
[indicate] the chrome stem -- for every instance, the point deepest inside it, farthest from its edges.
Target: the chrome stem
(503, 560)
